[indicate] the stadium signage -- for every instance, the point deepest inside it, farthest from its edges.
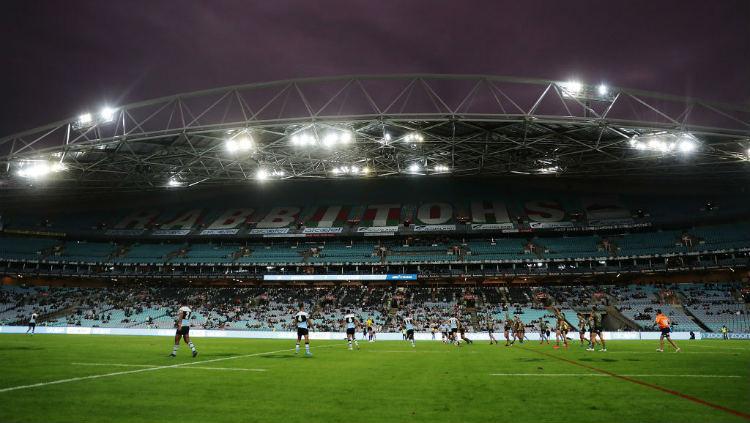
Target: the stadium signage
(269, 231)
(171, 232)
(322, 230)
(739, 335)
(490, 226)
(383, 277)
(434, 228)
(125, 232)
(219, 232)
(550, 225)
(376, 229)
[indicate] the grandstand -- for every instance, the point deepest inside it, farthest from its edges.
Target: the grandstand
(421, 209)
(698, 307)
(366, 211)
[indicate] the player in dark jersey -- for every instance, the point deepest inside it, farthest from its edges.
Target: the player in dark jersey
(351, 322)
(462, 332)
(519, 330)
(596, 330)
(183, 330)
(561, 329)
(507, 329)
(303, 322)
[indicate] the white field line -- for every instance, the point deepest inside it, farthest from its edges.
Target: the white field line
(146, 369)
(151, 365)
(605, 375)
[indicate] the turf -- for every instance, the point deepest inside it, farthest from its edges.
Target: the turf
(382, 382)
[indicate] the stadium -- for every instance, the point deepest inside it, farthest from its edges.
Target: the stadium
(449, 198)
(418, 247)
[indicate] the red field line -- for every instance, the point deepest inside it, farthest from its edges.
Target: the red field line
(649, 385)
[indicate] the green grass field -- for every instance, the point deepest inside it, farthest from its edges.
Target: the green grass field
(234, 380)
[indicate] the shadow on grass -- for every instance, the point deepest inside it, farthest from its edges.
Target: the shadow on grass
(20, 348)
(602, 360)
(280, 356)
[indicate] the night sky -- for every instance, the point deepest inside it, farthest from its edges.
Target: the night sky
(60, 58)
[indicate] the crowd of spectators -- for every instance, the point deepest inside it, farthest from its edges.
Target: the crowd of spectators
(271, 308)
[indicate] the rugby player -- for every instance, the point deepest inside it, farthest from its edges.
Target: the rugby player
(409, 325)
(507, 326)
(453, 331)
(519, 329)
(351, 329)
(491, 329)
(582, 329)
(462, 332)
(543, 331)
(183, 330)
(32, 323)
(443, 332)
(665, 326)
(596, 328)
(302, 319)
(561, 329)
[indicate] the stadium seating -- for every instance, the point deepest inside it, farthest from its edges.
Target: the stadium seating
(256, 308)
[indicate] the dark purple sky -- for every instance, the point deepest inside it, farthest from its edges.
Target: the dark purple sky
(61, 57)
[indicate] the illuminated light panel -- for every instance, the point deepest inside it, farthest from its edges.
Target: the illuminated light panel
(107, 114)
(39, 170)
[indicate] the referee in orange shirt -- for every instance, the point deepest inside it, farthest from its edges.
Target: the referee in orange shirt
(663, 322)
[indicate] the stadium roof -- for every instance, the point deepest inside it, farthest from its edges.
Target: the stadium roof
(379, 126)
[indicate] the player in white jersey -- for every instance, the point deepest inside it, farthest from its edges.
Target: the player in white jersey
(453, 334)
(32, 323)
(183, 330)
(409, 325)
(351, 329)
(303, 322)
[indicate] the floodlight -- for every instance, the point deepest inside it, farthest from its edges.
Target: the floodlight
(441, 168)
(174, 183)
(57, 167)
(330, 140)
(107, 114)
(85, 119)
(602, 89)
(687, 146)
(303, 139)
(572, 87)
(231, 146)
(261, 174)
(244, 142)
(414, 168)
(413, 137)
(239, 143)
(39, 169)
(346, 137)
